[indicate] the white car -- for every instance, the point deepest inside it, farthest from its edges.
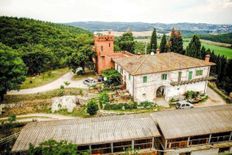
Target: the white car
(90, 82)
(183, 105)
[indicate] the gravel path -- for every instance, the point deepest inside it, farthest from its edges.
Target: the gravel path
(214, 99)
(40, 117)
(53, 85)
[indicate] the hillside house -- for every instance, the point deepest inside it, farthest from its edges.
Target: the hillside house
(147, 77)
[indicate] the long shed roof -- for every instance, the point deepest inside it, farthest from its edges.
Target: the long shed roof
(88, 131)
(192, 122)
(163, 62)
(172, 124)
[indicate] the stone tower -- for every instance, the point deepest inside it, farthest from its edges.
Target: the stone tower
(104, 48)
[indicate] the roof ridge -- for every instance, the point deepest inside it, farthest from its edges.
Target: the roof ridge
(140, 64)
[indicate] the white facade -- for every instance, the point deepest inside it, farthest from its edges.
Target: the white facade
(144, 87)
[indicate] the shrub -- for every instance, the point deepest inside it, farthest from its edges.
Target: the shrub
(112, 76)
(52, 147)
(92, 107)
(12, 118)
(103, 99)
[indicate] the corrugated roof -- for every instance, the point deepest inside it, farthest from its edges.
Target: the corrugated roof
(85, 131)
(172, 123)
(147, 64)
(197, 121)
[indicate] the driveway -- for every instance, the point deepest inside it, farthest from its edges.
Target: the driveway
(213, 99)
(53, 85)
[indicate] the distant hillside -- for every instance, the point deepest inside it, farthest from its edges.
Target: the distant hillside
(187, 28)
(223, 38)
(54, 42)
(17, 32)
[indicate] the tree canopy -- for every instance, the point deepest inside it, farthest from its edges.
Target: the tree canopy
(12, 70)
(126, 42)
(163, 44)
(194, 47)
(52, 147)
(81, 58)
(176, 42)
(92, 107)
(52, 42)
(153, 42)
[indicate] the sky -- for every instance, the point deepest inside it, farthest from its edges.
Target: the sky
(152, 11)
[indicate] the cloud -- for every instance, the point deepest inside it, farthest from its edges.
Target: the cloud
(168, 11)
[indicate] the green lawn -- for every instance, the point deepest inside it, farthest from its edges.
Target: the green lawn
(44, 78)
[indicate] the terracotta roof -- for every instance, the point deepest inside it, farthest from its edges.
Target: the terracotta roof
(146, 64)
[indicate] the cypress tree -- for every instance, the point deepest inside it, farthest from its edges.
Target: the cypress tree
(176, 42)
(163, 44)
(153, 42)
(194, 47)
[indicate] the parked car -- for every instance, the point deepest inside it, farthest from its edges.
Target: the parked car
(90, 82)
(183, 105)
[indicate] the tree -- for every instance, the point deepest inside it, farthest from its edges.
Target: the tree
(126, 42)
(176, 42)
(12, 118)
(81, 58)
(112, 77)
(163, 44)
(153, 42)
(194, 47)
(92, 107)
(52, 147)
(37, 58)
(12, 70)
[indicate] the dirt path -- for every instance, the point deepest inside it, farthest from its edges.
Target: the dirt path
(40, 117)
(53, 85)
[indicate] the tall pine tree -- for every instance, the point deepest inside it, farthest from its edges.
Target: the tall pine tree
(163, 44)
(194, 47)
(153, 42)
(176, 42)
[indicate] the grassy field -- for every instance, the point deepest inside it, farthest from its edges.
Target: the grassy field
(211, 45)
(44, 78)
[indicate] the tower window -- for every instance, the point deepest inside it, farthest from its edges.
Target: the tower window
(101, 48)
(109, 44)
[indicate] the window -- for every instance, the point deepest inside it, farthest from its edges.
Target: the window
(190, 76)
(109, 44)
(101, 48)
(121, 71)
(145, 79)
(179, 76)
(129, 77)
(164, 76)
(199, 72)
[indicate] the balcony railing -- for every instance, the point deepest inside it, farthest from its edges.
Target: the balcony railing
(176, 83)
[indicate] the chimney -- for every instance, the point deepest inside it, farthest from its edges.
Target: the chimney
(157, 51)
(207, 57)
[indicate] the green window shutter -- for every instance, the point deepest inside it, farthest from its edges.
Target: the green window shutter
(145, 79)
(129, 76)
(164, 76)
(199, 72)
(190, 76)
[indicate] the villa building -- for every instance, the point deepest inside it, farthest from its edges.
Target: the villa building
(198, 131)
(148, 77)
(167, 75)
